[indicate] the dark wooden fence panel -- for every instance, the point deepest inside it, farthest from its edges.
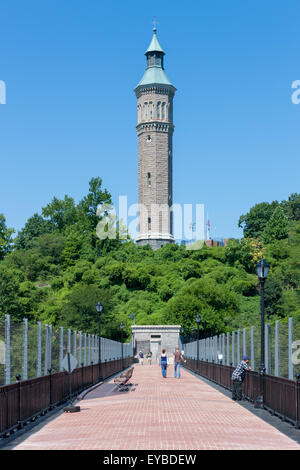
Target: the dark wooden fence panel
(24, 400)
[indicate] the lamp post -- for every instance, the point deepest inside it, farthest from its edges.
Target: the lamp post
(182, 332)
(132, 315)
(262, 270)
(99, 308)
(198, 321)
(122, 328)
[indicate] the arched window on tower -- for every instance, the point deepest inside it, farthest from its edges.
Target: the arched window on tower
(145, 111)
(150, 110)
(157, 60)
(163, 111)
(158, 110)
(139, 113)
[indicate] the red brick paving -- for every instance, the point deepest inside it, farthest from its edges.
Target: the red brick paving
(160, 414)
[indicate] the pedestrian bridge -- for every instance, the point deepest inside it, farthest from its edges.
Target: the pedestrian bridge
(156, 414)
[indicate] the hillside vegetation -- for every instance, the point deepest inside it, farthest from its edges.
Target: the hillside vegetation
(56, 269)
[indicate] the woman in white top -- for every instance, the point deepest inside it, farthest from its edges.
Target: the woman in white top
(163, 362)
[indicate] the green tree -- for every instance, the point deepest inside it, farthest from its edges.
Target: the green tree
(61, 212)
(273, 297)
(291, 207)
(89, 204)
(5, 237)
(79, 309)
(254, 222)
(245, 253)
(217, 305)
(72, 247)
(9, 293)
(277, 227)
(34, 227)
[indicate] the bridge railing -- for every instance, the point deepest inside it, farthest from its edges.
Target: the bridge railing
(24, 401)
(281, 395)
(32, 349)
(282, 348)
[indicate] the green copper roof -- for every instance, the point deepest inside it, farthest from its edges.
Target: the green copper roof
(155, 75)
(154, 44)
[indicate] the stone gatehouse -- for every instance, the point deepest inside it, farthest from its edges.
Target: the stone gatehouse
(154, 338)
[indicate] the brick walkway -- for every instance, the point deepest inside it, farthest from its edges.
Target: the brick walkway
(158, 414)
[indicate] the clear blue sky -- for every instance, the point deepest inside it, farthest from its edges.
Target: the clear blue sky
(70, 68)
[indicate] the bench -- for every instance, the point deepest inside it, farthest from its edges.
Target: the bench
(122, 379)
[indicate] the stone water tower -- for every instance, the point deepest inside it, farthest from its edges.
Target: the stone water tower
(155, 128)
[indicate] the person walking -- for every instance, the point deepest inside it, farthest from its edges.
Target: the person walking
(178, 357)
(163, 362)
(149, 357)
(238, 377)
(141, 356)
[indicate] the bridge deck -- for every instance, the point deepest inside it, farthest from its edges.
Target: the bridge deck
(157, 414)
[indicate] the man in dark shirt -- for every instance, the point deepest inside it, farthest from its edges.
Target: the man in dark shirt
(177, 361)
(238, 378)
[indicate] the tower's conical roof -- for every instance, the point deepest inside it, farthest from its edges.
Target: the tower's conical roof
(154, 73)
(154, 44)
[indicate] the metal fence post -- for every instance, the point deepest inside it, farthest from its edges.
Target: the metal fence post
(252, 349)
(39, 350)
(267, 348)
(276, 352)
(85, 349)
(238, 347)
(96, 349)
(75, 344)
(244, 342)
(50, 348)
(232, 348)
(25, 349)
(80, 348)
(93, 349)
(227, 355)
(7, 350)
(89, 349)
(61, 349)
(69, 341)
(291, 367)
(46, 350)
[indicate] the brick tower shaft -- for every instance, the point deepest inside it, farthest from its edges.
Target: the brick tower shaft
(155, 150)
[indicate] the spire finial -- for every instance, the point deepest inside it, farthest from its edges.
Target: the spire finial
(154, 24)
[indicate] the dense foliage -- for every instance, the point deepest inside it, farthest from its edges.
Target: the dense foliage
(56, 269)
